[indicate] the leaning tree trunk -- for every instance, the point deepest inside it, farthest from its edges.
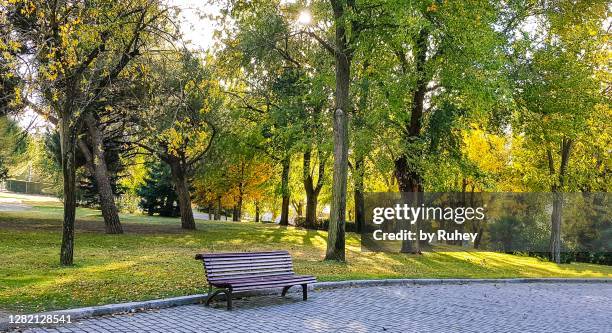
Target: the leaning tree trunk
(299, 208)
(68, 143)
(184, 198)
(284, 220)
(112, 225)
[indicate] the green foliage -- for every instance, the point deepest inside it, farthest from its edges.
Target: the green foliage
(12, 145)
(561, 95)
(157, 195)
(176, 117)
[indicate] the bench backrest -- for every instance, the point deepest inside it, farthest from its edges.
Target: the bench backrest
(220, 267)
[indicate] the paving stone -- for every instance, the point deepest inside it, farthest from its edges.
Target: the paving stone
(526, 307)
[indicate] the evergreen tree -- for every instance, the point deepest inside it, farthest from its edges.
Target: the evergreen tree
(157, 193)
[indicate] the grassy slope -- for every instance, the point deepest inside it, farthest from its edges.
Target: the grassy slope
(155, 259)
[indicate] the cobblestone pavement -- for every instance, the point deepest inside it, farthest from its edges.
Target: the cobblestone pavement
(537, 307)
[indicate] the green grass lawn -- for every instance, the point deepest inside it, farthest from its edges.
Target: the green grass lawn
(154, 259)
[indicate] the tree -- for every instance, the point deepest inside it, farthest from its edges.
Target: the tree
(558, 91)
(437, 64)
(176, 120)
(13, 142)
(101, 143)
(157, 192)
(78, 50)
(267, 89)
(311, 188)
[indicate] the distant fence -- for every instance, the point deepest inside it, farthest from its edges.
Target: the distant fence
(22, 186)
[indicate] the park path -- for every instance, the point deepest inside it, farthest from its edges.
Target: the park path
(526, 307)
(15, 202)
(12, 205)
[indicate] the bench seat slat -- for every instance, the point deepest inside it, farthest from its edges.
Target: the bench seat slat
(279, 281)
(278, 276)
(270, 286)
(226, 278)
(238, 275)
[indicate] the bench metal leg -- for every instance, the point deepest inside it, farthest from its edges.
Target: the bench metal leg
(211, 296)
(228, 296)
(304, 291)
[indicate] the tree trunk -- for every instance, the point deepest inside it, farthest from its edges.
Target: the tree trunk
(358, 195)
(557, 189)
(168, 209)
(478, 239)
(555, 235)
(284, 220)
(209, 210)
(182, 192)
(311, 210)
(68, 142)
(337, 218)
(218, 210)
(238, 210)
(312, 190)
(336, 233)
(112, 225)
(256, 211)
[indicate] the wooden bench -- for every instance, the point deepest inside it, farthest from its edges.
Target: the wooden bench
(234, 272)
